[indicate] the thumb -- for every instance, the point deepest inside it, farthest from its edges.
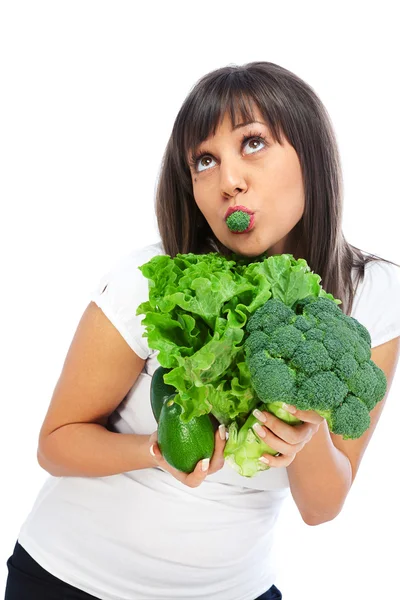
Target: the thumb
(153, 437)
(153, 447)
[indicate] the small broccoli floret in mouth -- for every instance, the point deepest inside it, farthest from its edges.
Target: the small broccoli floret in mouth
(238, 221)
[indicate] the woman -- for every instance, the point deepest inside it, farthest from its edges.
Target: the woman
(114, 520)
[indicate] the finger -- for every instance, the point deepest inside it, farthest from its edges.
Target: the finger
(159, 460)
(291, 434)
(153, 438)
(155, 450)
(294, 434)
(308, 416)
(218, 459)
(277, 461)
(277, 443)
(199, 474)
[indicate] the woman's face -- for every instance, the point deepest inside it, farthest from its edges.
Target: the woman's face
(262, 176)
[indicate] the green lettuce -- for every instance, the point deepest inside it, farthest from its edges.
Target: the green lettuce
(195, 316)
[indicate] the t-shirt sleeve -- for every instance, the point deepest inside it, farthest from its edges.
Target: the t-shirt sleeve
(377, 302)
(119, 293)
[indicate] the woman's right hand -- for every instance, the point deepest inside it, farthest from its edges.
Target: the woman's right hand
(196, 477)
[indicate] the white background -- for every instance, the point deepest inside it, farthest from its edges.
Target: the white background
(90, 91)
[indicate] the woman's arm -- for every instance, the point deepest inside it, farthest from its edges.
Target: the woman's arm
(322, 474)
(99, 370)
(321, 466)
(90, 450)
(320, 478)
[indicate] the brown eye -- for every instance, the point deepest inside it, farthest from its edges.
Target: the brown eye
(196, 161)
(257, 141)
(203, 159)
(254, 138)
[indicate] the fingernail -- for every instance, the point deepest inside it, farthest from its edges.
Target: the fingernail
(205, 464)
(264, 460)
(289, 408)
(258, 429)
(151, 450)
(259, 415)
(222, 432)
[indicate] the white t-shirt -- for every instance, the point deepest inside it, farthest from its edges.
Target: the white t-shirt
(142, 534)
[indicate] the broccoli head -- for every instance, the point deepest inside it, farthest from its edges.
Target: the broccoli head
(317, 358)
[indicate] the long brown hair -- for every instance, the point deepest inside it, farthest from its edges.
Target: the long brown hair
(288, 105)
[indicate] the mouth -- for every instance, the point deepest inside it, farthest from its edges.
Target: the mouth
(233, 209)
(237, 228)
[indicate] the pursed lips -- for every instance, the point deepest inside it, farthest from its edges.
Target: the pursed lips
(233, 209)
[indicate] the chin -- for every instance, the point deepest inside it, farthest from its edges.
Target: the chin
(250, 248)
(250, 254)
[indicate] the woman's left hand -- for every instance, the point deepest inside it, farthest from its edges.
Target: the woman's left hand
(287, 439)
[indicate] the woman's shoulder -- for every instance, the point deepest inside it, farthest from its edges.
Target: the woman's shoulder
(126, 267)
(380, 275)
(121, 290)
(140, 255)
(377, 299)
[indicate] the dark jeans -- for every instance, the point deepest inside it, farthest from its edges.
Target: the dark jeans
(27, 580)
(272, 594)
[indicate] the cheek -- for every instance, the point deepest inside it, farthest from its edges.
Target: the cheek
(204, 199)
(282, 216)
(287, 198)
(285, 172)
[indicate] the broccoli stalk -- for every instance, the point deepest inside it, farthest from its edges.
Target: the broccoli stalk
(244, 447)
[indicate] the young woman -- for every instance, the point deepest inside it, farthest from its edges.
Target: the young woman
(114, 521)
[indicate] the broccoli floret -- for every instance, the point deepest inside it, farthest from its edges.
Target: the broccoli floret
(368, 383)
(283, 342)
(313, 333)
(255, 342)
(345, 366)
(269, 316)
(303, 324)
(317, 358)
(311, 356)
(350, 419)
(322, 391)
(238, 220)
(272, 378)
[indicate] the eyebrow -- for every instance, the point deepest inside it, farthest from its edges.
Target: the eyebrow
(246, 123)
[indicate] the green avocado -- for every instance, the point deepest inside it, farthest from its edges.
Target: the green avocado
(183, 445)
(159, 391)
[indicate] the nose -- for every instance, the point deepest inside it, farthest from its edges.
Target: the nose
(232, 180)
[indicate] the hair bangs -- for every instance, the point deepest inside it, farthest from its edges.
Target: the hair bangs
(235, 95)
